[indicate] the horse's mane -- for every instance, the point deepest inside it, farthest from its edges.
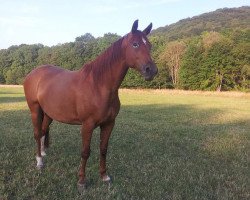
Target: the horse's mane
(104, 61)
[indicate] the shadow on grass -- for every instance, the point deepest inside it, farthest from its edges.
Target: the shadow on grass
(155, 152)
(10, 92)
(11, 99)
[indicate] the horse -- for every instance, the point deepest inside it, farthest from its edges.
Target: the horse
(88, 96)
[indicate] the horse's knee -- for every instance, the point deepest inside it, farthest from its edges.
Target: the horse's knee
(85, 154)
(37, 135)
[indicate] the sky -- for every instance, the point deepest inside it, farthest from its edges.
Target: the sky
(51, 22)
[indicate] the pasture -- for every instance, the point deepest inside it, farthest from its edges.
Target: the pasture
(165, 145)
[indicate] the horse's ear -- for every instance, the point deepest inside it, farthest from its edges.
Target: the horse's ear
(148, 29)
(135, 26)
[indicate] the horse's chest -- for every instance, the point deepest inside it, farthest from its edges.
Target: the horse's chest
(109, 111)
(112, 112)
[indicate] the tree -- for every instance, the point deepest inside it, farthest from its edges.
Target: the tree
(191, 72)
(2, 79)
(220, 61)
(5, 63)
(44, 56)
(242, 59)
(15, 76)
(87, 37)
(245, 73)
(105, 41)
(210, 38)
(171, 57)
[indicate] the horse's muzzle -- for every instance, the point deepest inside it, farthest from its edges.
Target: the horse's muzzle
(149, 71)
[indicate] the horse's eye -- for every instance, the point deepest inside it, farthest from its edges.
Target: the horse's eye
(136, 45)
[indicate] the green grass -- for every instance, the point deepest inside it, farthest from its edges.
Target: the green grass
(165, 145)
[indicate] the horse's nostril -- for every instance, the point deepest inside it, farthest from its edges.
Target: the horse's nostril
(147, 69)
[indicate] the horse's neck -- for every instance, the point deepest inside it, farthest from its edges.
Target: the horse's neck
(107, 73)
(113, 77)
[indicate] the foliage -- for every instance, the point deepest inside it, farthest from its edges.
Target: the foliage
(191, 73)
(134, 80)
(217, 64)
(171, 57)
(206, 52)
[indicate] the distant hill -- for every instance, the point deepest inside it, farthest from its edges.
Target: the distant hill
(219, 20)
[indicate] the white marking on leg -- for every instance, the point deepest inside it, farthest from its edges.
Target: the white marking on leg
(43, 153)
(39, 162)
(106, 178)
(42, 146)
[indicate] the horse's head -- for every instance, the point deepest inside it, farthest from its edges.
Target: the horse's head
(138, 52)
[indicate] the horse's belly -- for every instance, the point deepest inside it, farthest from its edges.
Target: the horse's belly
(61, 113)
(63, 117)
(59, 106)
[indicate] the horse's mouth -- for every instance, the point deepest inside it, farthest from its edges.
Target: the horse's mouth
(149, 72)
(149, 78)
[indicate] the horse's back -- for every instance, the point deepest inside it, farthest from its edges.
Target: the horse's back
(41, 72)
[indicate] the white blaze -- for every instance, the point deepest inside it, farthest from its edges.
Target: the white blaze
(144, 40)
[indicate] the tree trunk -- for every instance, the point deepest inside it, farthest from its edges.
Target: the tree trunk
(220, 84)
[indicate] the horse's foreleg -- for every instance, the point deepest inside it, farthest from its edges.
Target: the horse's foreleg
(106, 130)
(86, 131)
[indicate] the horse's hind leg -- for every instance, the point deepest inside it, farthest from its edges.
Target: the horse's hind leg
(37, 117)
(45, 133)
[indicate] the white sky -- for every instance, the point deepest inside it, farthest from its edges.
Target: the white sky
(58, 21)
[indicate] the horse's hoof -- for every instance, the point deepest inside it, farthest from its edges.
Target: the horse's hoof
(39, 163)
(40, 167)
(81, 187)
(106, 179)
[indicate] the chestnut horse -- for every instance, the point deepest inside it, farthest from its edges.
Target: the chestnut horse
(87, 97)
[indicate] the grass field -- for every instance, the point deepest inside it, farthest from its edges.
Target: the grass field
(165, 145)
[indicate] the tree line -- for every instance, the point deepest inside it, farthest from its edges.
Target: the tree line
(212, 59)
(17, 61)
